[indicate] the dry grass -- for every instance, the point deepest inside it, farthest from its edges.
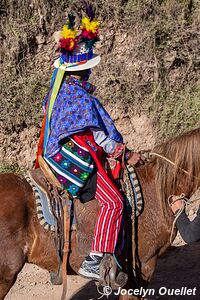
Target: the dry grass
(150, 59)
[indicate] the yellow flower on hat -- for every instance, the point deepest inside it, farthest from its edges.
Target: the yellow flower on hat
(68, 33)
(90, 25)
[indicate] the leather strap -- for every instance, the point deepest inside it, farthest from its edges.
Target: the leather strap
(66, 248)
(48, 173)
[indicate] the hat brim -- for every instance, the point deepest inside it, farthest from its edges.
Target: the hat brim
(71, 67)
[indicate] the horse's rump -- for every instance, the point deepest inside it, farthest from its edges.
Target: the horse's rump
(14, 192)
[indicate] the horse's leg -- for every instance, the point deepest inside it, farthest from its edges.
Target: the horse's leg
(12, 260)
(147, 270)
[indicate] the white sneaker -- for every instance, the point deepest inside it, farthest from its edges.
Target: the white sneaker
(90, 267)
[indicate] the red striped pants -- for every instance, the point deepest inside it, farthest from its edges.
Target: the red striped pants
(109, 219)
(111, 201)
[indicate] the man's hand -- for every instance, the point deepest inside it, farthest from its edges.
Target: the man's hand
(134, 159)
(176, 205)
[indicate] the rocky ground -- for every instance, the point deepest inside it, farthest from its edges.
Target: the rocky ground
(21, 148)
(148, 80)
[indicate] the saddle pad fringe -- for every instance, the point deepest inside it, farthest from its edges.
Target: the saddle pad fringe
(45, 217)
(136, 189)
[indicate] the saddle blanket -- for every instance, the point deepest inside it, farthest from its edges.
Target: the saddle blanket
(43, 207)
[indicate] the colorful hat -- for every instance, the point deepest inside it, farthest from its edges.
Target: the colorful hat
(76, 45)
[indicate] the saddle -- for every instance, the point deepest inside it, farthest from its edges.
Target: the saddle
(48, 173)
(47, 181)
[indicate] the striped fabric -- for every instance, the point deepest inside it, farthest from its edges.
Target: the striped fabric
(72, 166)
(110, 216)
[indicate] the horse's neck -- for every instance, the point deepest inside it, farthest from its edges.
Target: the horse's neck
(147, 178)
(155, 222)
(146, 175)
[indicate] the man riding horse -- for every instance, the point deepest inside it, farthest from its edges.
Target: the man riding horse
(78, 135)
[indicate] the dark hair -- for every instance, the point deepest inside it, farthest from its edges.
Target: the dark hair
(84, 74)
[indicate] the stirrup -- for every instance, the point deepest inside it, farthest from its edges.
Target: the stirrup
(48, 173)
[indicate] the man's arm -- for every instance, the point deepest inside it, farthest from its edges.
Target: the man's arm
(112, 147)
(104, 141)
(189, 230)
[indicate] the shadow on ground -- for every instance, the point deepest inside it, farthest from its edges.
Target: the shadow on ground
(90, 292)
(178, 268)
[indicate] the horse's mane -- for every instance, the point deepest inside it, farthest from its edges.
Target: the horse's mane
(184, 152)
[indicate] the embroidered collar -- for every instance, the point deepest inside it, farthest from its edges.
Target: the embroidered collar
(90, 88)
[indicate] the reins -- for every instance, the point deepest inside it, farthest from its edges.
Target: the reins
(171, 162)
(178, 212)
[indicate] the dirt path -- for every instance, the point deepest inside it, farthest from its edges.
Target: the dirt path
(33, 283)
(179, 267)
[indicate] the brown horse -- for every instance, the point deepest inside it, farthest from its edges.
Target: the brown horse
(23, 239)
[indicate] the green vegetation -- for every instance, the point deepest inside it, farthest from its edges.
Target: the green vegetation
(14, 168)
(150, 60)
